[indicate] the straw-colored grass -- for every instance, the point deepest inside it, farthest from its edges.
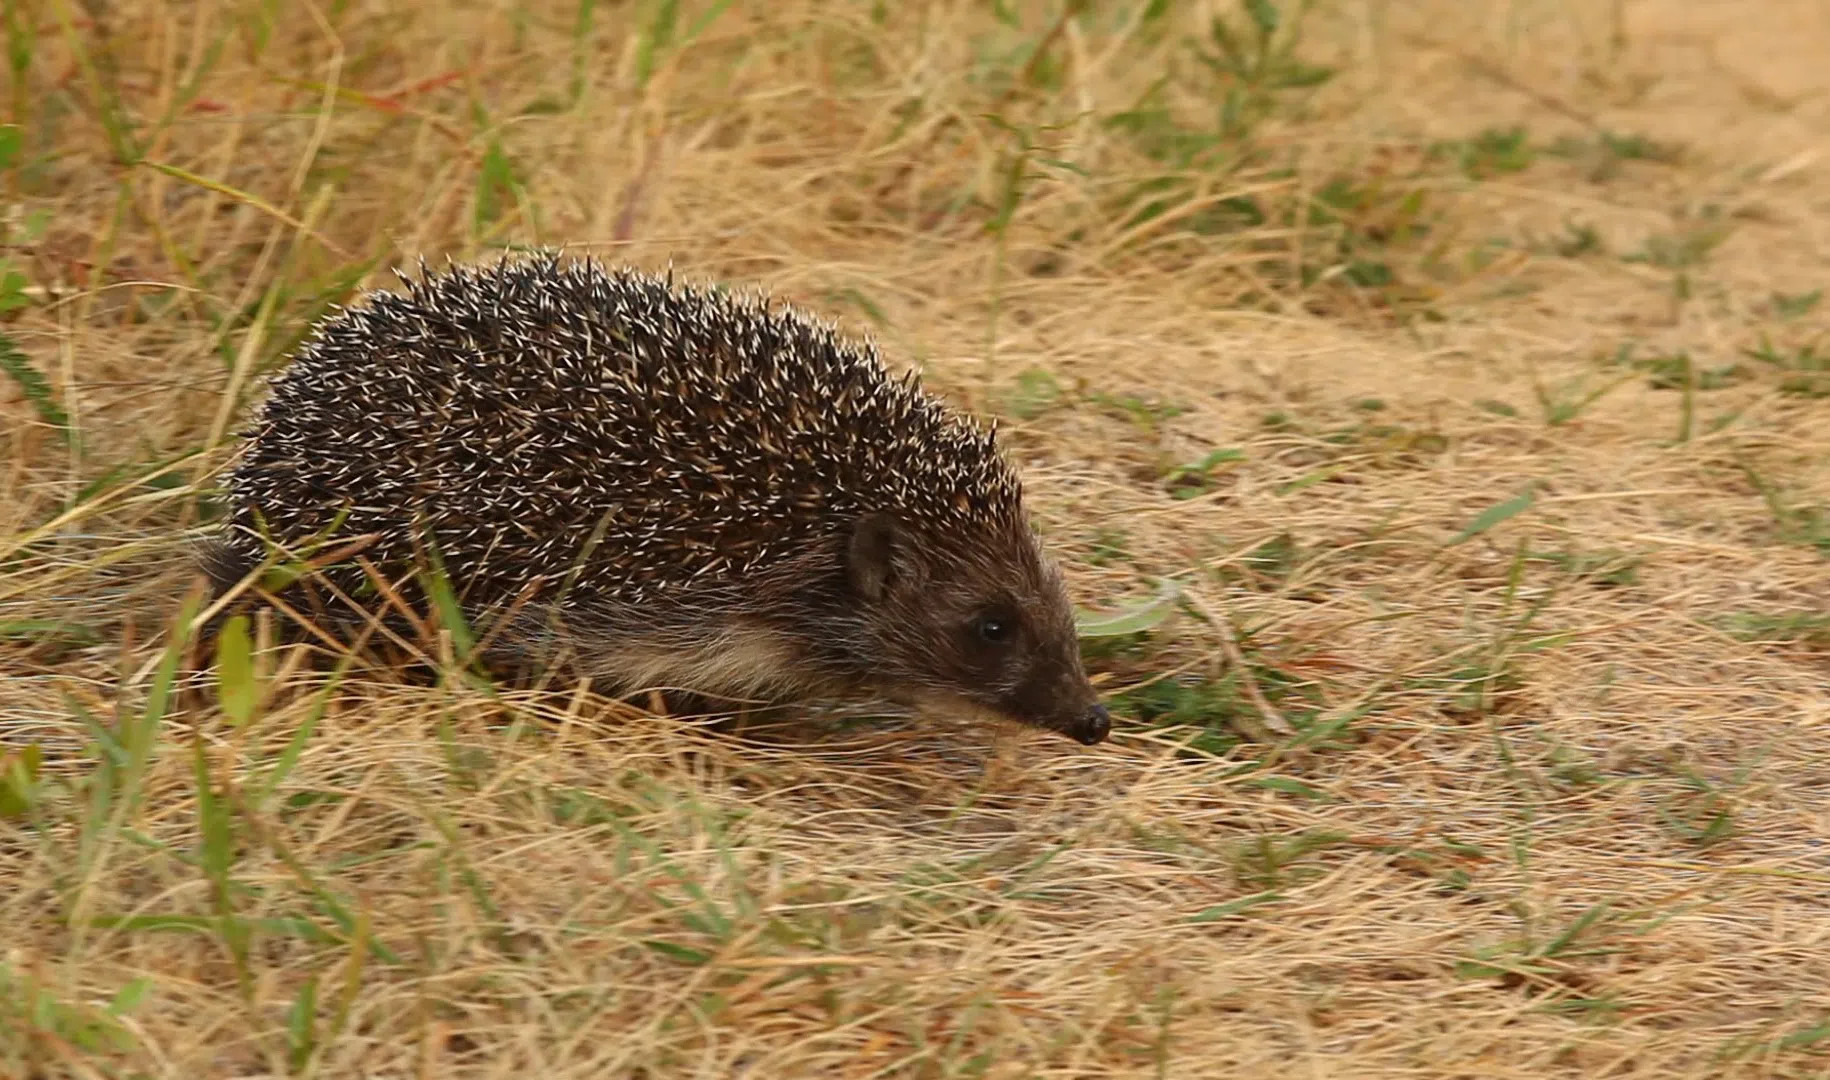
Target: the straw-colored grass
(1476, 396)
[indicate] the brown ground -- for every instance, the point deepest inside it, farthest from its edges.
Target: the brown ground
(1556, 799)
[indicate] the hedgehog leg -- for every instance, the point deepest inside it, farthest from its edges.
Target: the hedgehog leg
(684, 703)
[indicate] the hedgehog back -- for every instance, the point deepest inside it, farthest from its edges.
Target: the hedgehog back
(530, 411)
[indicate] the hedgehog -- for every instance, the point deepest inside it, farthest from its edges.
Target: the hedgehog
(672, 484)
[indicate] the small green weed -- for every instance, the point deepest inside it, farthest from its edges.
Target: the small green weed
(1108, 547)
(1207, 707)
(1351, 223)
(1357, 223)
(1473, 689)
(49, 639)
(1199, 477)
(33, 1021)
(1146, 413)
(1685, 247)
(1805, 370)
(1230, 908)
(1528, 961)
(1496, 515)
(1606, 569)
(500, 197)
(1268, 565)
(1788, 306)
(1565, 402)
(1571, 769)
(1677, 371)
(1252, 65)
(13, 285)
(1489, 153)
(1267, 862)
(1810, 629)
(1036, 391)
(1811, 1038)
(1807, 524)
(1700, 814)
(1576, 239)
(20, 768)
(1603, 154)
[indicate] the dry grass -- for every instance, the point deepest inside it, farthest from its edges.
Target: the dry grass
(1555, 801)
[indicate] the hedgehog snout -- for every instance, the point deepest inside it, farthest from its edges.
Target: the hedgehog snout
(1092, 727)
(1082, 718)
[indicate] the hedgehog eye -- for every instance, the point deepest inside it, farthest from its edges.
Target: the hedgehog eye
(996, 630)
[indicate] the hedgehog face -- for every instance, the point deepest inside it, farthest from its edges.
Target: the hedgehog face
(987, 622)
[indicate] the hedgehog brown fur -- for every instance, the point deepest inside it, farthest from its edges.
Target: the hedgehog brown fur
(677, 485)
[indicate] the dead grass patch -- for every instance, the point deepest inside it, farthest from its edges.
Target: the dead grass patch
(1462, 361)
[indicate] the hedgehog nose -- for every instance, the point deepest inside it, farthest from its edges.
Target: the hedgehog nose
(1095, 724)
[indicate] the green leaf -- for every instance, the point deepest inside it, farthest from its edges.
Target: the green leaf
(705, 21)
(36, 387)
(1792, 306)
(1234, 907)
(1189, 481)
(497, 185)
(1496, 514)
(235, 686)
(129, 997)
(48, 630)
(216, 844)
(450, 612)
(302, 1024)
(1264, 16)
(654, 39)
(19, 780)
(12, 291)
(1131, 620)
(695, 957)
(289, 756)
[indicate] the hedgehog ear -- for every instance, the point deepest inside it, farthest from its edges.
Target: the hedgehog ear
(872, 555)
